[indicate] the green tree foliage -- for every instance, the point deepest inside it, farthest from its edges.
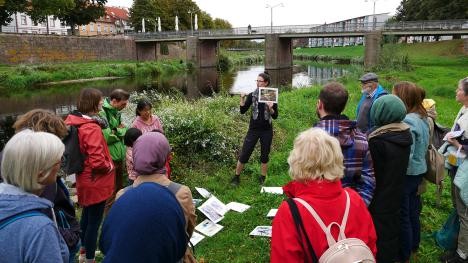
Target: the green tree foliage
(219, 23)
(9, 7)
(166, 10)
(410, 10)
(84, 12)
(39, 9)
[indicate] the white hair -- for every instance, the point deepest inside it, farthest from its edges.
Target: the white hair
(26, 155)
(316, 156)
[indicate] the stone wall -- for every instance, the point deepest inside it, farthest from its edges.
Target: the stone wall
(32, 49)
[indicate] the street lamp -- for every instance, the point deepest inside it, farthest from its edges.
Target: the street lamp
(191, 25)
(271, 14)
(374, 20)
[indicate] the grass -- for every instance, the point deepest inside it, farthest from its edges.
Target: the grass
(27, 76)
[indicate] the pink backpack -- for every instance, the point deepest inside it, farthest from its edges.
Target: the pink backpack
(343, 250)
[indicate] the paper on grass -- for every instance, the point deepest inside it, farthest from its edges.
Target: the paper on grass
(272, 190)
(196, 238)
(208, 228)
(264, 231)
(238, 207)
(213, 209)
(203, 192)
(272, 213)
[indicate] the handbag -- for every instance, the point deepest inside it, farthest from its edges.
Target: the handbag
(68, 227)
(447, 236)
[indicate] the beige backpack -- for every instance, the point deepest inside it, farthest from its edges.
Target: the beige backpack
(344, 250)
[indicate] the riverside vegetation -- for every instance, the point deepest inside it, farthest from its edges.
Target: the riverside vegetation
(207, 134)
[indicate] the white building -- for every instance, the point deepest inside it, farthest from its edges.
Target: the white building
(367, 22)
(22, 23)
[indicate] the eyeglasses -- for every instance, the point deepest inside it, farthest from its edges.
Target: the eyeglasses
(259, 80)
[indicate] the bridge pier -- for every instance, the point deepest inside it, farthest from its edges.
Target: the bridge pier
(465, 46)
(146, 51)
(202, 53)
(372, 48)
(278, 52)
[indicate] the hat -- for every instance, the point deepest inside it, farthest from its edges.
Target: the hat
(150, 152)
(369, 77)
(387, 109)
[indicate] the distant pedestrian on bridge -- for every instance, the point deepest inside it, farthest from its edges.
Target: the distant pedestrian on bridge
(249, 29)
(260, 128)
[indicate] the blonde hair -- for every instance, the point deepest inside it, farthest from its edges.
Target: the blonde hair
(26, 155)
(41, 120)
(316, 156)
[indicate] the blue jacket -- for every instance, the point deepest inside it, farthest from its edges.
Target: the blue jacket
(420, 134)
(146, 224)
(379, 92)
(30, 239)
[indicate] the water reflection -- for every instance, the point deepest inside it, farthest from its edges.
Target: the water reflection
(204, 82)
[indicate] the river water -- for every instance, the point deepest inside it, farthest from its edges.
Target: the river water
(61, 98)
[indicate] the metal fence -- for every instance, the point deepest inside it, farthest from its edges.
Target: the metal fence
(339, 27)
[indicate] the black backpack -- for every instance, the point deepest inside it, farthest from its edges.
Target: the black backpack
(73, 158)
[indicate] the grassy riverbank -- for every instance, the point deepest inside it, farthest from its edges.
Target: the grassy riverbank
(206, 144)
(27, 76)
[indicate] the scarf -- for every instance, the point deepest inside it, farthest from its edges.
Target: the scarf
(266, 114)
(392, 127)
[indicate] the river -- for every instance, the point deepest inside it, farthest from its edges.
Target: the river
(61, 98)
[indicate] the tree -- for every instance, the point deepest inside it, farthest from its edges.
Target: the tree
(8, 8)
(84, 12)
(411, 10)
(38, 10)
(219, 23)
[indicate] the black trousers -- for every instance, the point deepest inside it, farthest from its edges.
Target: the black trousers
(251, 139)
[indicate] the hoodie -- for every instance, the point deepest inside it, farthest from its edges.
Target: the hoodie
(30, 239)
(359, 171)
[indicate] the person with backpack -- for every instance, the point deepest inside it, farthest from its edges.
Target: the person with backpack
(31, 161)
(411, 206)
(150, 152)
(95, 184)
(390, 144)
(57, 193)
(316, 167)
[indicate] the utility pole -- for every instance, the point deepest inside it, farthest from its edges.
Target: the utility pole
(271, 14)
(191, 20)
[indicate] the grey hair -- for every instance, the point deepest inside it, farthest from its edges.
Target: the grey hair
(463, 83)
(26, 155)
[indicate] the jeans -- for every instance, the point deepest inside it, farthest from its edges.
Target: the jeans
(90, 221)
(410, 225)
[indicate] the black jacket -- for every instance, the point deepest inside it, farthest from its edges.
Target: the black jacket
(390, 154)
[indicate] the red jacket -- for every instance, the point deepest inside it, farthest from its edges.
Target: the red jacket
(96, 183)
(329, 201)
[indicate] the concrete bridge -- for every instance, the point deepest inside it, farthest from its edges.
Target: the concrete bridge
(202, 44)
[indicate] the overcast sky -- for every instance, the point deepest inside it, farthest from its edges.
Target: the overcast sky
(240, 13)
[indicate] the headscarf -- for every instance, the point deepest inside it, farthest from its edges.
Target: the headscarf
(387, 109)
(150, 152)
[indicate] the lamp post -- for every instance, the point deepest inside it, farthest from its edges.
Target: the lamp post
(374, 20)
(271, 14)
(191, 25)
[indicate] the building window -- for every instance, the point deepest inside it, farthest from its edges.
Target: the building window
(91, 27)
(105, 28)
(62, 24)
(52, 22)
(99, 28)
(23, 20)
(83, 28)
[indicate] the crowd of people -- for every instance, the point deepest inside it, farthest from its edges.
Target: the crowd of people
(365, 173)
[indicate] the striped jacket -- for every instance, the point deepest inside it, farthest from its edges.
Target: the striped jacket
(359, 171)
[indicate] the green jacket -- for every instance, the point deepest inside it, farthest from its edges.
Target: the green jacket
(113, 135)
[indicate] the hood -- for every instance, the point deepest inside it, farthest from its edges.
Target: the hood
(22, 201)
(344, 130)
(76, 120)
(402, 138)
(106, 105)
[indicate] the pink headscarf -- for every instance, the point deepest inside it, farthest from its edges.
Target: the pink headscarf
(150, 152)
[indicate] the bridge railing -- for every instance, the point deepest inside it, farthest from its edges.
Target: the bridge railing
(340, 27)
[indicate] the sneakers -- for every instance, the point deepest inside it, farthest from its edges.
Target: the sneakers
(235, 181)
(261, 179)
(452, 258)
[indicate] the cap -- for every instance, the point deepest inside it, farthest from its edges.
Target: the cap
(369, 77)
